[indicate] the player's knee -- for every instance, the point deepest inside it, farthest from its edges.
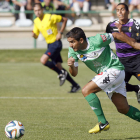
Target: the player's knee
(123, 110)
(42, 61)
(85, 91)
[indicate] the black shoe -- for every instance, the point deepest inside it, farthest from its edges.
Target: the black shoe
(74, 89)
(62, 77)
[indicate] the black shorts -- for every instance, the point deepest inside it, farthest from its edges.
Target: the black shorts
(128, 75)
(54, 50)
(132, 67)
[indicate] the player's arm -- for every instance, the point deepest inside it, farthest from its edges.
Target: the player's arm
(72, 69)
(108, 29)
(35, 32)
(127, 40)
(64, 22)
(119, 26)
(34, 35)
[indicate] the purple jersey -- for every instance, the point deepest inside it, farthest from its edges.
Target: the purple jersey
(132, 29)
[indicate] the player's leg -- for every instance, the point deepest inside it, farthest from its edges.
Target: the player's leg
(89, 91)
(130, 87)
(120, 102)
(75, 87)
(137, 75)
(44, 60)
(108, 81)
(63, 75)
(122, 106)
(52, 53)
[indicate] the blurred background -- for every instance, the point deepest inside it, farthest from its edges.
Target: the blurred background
(16, 19)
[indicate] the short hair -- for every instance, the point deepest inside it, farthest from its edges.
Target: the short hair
(38, 4)
(76, 33)
(126, 7)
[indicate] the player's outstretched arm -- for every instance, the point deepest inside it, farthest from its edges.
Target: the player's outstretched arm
(72, 69)
(127, 40)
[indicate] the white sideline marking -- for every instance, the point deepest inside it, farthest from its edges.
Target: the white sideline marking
(55, 98)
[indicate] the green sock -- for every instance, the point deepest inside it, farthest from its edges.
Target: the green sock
(133, 113)
(95, 105)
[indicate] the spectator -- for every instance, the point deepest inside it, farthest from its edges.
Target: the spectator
(129, 1)
(77, 5)
(107, 4)
(29, 5)
(20, 4)
(62, 5)
(4, 5)
(114, 3)
(48, 5)
(134, 4)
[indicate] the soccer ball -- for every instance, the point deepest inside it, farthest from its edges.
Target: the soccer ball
(14, 130)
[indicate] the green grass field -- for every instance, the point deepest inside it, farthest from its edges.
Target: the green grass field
(30, 93)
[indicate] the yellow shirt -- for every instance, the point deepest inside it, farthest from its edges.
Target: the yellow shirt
(47, 26)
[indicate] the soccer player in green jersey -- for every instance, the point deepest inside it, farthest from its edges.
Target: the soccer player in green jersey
(95, 52)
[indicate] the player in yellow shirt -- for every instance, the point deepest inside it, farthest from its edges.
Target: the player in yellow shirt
(47, 25)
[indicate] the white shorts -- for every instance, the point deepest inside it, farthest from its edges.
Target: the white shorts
(112, 80)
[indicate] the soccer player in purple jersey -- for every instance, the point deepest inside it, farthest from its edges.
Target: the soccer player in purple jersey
(128, 56)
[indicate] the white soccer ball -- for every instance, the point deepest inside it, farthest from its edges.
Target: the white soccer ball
(14, 130)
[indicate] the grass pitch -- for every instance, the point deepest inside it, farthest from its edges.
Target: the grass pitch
(30, 93)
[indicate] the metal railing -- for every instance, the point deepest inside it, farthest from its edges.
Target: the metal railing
(66, 12)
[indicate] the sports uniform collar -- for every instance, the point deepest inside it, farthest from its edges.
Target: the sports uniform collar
(87, 46)
(130, 20)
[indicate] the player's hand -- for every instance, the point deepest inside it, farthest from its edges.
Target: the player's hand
(58, 36)
(119, 26)
(34, 35)
(71, 61)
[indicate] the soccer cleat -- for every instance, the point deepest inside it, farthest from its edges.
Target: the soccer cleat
(62, 77)
(74, 89)
(138, 95)
(99, 127)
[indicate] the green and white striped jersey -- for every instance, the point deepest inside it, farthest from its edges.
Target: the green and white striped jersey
(97, 56)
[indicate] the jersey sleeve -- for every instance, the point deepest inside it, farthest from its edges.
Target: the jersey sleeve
(108, 29)
(35, 30)
(103, 39)
(56, 18)
(136, 31)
